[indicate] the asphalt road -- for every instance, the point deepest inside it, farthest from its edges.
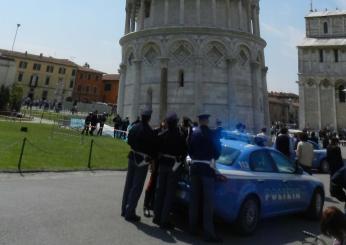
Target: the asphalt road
(84, 208)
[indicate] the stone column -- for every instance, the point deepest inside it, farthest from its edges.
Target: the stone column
(255, 106)
(136, 89)
(121, 91)
(153, 12)
(254, 17)
(229, 14)
(318, 91)
(240, 11)
(142, 15)
(166, 12)
(335, 122)
(164, 88)
(258, 27)
(182, 10)
(198, 11)
(302, 123)
(249, 14)
(265, 98)
(198, 88)
(128, 20)
(232, 99)
(133, 19)
(213, 9)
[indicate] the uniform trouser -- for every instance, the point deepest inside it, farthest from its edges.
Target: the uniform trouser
(165, 192)
(202, 187)
(133, 187)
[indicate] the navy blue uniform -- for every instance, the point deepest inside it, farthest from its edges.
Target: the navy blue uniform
(142, 139)
(203, 145)
(171, 143)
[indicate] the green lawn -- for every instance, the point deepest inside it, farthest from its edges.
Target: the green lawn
(62, 150)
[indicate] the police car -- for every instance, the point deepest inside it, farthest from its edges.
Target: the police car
(260, 183)
(320, 158)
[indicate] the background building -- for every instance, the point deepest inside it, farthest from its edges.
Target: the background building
(110, 87)
(322, 71)
(88, 87)
(43, 77)
(284, 108)
(7, 71)
(194, 56)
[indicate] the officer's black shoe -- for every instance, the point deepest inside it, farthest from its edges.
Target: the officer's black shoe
(156, 221)
(214, 239)
(134, 218)
(167, 226)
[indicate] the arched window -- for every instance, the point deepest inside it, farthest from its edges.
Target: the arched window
(342, 94)
(325, 27)
(147, 7)
(181, 78)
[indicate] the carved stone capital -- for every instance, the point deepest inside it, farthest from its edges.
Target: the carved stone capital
(255, 65)
(231, 61)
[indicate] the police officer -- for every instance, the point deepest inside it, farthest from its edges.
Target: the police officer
(143, 149)
(172, 153)
(204, 148)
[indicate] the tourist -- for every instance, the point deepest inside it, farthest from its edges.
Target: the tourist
(102, 120)
(314, 138)
(149, 197)
(93, 123)
(263, 138)
(305, 153)
(283, 143)
(117, 124)
(87, 122)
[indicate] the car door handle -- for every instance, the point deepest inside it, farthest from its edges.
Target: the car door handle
(284, 181)
(260, 180)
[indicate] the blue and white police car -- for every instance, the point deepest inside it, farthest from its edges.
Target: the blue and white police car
(259, 183)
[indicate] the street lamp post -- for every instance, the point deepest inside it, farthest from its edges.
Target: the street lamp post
(15, 36)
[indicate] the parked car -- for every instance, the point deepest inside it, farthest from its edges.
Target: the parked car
(260, 183)
(320, 158)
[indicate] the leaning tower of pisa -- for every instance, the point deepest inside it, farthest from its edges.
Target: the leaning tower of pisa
(193, 56)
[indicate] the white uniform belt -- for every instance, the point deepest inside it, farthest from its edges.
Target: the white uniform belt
(177, 163)
(143, 163)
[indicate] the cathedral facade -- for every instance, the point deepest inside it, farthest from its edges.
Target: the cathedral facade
(194, 56)
(322, 71)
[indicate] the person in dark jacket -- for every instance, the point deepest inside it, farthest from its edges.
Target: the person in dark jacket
(142, 140)
(117, 125)
(334, 158)
(102, 120)
(204, 149)
(94, 122)
(314, 138)
(283, 143)
(172, 153)
(87, 124)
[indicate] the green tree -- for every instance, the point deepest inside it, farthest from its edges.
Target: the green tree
(4, 98)
(16, 96)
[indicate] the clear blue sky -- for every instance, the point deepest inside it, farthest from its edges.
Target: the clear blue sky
(89, 31)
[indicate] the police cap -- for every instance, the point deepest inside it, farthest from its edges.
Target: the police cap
(203, 116)
(146, 113)
(172, 117)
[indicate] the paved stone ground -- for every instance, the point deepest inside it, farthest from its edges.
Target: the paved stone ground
(84, 208)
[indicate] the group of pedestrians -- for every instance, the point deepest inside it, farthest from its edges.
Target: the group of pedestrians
(164, 150)
(92, 121)
(121, 126)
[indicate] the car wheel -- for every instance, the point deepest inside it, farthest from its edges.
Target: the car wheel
(324, 167)
(248, 217)
(316, 206)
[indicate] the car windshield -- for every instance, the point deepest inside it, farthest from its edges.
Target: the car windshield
(228, 156)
